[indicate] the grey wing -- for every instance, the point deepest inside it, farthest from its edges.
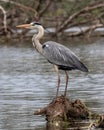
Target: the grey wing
(62, 56)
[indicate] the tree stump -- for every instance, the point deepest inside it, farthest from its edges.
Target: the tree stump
(61, 109)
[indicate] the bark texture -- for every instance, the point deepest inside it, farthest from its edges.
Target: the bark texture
(61, 109)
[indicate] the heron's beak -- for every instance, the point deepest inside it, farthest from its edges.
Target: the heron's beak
(24, 26)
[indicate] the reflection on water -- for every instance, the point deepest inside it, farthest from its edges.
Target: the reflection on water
(28, 82)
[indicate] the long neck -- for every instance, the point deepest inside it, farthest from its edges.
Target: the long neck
(37, 37)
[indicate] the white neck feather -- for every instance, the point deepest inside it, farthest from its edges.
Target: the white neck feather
(37, 37)
(40, 32)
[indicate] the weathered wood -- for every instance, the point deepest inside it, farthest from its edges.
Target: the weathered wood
(61, 109)
(99, 123)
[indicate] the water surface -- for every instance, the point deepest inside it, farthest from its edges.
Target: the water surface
(28, 82)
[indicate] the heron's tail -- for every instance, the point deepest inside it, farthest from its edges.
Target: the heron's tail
(82, 67)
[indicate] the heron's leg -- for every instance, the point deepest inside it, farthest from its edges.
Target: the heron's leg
(67, 79)
(57, 70)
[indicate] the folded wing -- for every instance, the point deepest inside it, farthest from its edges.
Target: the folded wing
(62, 56)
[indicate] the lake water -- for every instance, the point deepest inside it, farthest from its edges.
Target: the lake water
(28, 82)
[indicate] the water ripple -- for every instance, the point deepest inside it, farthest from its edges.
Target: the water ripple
(28, 82)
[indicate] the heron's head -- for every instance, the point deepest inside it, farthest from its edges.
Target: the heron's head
(33, 25)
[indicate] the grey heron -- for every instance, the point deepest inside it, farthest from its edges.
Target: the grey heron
(58, 55)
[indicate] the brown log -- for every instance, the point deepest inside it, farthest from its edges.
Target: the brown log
(62, 109)
(61, 112)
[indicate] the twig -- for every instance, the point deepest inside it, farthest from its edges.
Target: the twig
(45, 8)
(5, 18)
(70, 18)
(93, 27)
(21, 6)
(39, 5)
